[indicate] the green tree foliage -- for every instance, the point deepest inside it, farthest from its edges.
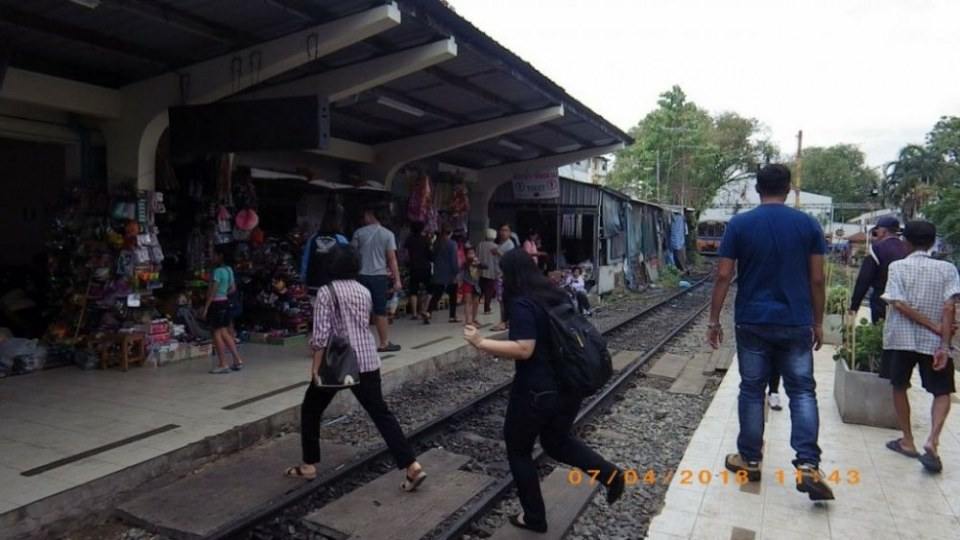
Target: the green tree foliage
(914, 178)
(698, 152)
(926, 174)
(840, 172)
(945, 213)
(944, 139)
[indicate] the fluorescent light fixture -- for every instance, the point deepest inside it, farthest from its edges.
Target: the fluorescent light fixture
(567, 148)
(89, 4)
(398, 106)
(509, 144)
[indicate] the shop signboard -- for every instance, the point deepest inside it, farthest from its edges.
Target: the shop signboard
(536, 185)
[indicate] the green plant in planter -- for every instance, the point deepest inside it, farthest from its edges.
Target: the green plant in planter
(837, 299)
(869, 347)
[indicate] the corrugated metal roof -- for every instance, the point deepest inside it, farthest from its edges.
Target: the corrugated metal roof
(572, 194)
(123, 41)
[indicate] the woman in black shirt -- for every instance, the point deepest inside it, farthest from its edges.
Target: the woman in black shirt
(419, 256)
(538, 406)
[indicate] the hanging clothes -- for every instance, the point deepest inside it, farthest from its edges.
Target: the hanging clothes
(421, 200)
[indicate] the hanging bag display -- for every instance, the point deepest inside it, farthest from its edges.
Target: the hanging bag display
(339, 368)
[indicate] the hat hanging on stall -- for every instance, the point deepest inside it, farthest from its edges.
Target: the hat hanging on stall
(247, 220)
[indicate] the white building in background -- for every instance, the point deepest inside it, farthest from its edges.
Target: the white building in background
(589, 171)
(740, 196)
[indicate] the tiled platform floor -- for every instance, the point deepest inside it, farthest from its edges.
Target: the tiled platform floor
(894, 499)
(58, 413)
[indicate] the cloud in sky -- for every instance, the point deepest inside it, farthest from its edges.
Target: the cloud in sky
(875, 73)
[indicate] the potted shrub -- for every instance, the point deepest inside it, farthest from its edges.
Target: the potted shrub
(862, 396)
(838, 297)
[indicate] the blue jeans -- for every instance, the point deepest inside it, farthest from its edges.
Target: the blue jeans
(789, 350)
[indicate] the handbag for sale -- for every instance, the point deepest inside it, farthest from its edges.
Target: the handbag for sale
(340, 367)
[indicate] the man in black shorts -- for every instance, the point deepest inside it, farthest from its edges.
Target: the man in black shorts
(922, 293)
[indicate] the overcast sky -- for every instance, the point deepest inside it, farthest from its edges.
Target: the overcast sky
(875, 73)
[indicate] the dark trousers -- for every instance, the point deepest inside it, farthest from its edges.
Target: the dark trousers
(583, 302)
(774, 383)
(550, 416)
(370, 396)
(878, 309)
(437, 290)
(489, 289)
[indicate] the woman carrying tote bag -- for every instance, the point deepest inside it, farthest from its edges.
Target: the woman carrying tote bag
(350, 321)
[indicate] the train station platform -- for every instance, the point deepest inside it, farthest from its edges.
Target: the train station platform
(880, 495)
(71, 437)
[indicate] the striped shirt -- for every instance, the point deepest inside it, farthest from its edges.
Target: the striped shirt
(355, 306)
(924, 284)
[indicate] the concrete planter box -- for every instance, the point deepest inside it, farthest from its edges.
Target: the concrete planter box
(833, 329)
(863, 398)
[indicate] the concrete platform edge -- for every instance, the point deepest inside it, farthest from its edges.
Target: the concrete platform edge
(94, 501)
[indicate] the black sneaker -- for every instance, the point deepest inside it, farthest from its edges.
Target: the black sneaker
(735, 463)
(811, 481)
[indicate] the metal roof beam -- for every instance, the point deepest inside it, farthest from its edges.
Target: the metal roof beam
(304, 9)
(183, 20)
(550, 162)
(343, 82)
(229, 74)
(492, 98)
(78, 34)
(390, 156)
(61, 94)
(449, 116)
(349, 150)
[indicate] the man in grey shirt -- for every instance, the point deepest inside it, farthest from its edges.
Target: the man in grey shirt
(377, 248)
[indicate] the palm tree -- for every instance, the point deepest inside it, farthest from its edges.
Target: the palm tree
(913, 178)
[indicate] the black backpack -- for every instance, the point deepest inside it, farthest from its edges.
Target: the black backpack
(580, 359)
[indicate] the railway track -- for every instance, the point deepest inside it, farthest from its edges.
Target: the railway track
(246, 526)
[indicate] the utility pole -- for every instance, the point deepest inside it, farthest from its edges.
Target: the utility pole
(799, 167)
(657, 194)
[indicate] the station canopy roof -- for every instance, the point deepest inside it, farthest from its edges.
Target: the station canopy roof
(113, 43)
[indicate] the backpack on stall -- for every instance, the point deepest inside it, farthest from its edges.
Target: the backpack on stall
(581, 361)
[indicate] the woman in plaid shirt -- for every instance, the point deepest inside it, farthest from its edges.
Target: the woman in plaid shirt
(356, 306)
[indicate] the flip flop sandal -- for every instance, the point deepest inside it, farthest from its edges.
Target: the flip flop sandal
(895, 446)
(411, 484)
(931, 462)
(297, 472)
(456, 321)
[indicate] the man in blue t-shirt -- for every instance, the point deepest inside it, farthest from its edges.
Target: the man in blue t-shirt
(778, 253)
